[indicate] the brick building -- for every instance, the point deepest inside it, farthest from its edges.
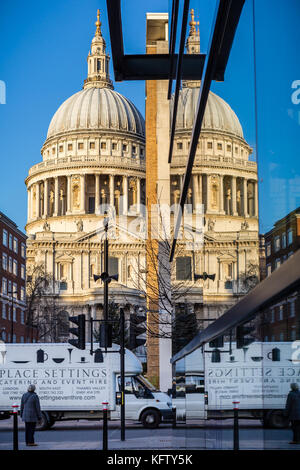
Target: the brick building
(12, 282)
(281, 321)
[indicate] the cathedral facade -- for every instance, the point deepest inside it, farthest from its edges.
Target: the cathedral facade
(94, 163)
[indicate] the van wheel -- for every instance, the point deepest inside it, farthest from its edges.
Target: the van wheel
(150, 419)
(277, 420)
(44, 423)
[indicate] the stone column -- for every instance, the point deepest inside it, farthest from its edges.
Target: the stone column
(195, 192)
(111, 190)
(97, 194)
(46, 195)
(69, 192)
(200, 186)
(245, 198)
(221, 202)
(82, 194)
(28, 204)
(255, 199)
(56, 197)
(233, 195)
(31, 202)
(138, 195)
(37, 201)
(125, 195)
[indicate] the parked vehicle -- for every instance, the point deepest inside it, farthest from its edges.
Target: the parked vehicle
(258, 376)
(72, 384)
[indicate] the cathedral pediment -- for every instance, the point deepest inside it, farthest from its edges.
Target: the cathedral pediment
(65, 257)
(117, 232)
(226, 257)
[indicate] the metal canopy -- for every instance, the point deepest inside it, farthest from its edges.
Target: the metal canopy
(280, 283)
(160, 66)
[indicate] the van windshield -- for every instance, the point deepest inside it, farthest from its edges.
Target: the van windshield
(146, 383)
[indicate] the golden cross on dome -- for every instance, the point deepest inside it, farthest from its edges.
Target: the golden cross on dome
(98, 24)
(193, 24)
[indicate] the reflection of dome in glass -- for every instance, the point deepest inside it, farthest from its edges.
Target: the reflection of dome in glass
(97, 108)
(218, 114)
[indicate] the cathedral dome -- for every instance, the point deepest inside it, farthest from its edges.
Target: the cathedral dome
(218, 115)
(97, 108)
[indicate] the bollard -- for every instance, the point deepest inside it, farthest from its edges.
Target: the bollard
(104, 408)
(174, 417)
(15, 427)
(236, 425)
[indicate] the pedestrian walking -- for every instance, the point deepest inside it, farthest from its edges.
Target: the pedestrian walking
(293, 411)
(30, 413)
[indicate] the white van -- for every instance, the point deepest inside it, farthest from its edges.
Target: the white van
(72, 384)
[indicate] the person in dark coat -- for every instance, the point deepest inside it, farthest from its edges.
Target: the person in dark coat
(293, 411)
(30, 413)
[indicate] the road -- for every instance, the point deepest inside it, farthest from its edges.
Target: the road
(87, 435)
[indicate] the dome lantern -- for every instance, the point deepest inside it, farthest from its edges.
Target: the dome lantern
(98, 61)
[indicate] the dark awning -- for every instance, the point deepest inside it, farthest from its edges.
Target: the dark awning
(281, 282)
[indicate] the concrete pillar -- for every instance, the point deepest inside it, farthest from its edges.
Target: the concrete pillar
(46, 196)
(69, 193)
(97, 194)
(82, 194)
(56, 196)
(125, 195)
(245, 198)
(233, 195)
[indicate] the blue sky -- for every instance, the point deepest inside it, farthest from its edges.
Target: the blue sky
(44, 45)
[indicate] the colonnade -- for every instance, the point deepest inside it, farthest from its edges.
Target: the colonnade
(222, 194)
(84, 194)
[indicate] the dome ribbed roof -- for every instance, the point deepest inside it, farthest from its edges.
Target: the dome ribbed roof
(218, 114)
(97, 108)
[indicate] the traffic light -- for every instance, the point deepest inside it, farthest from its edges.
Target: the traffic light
(105, 335)
(135, 330)
(217, 342)
(79, 332)
(241, 333)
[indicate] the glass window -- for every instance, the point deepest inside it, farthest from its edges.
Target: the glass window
(281, 312)
(4, 286)
(292, 308)
(92, 145)
(15, 245)
(268, 249)
(114, 146)
(124, 148)
(219, 146)
(277, 243)
(15, 287)
(5, 237)
(23, 295)
(134, 149)
(277, 263)
(22, 317)
(4, 311)
(15, 267)
(61, 148)
(14, 338)
(10, 241)
(269, 269)
(70, 146)
(290, 236)
(80, 145)
(228, 148)
(10, 264)
(3, 335)
(23, 250)
(209, 145)
(179, 145)
(21, 339)
(184, 268)
(272, 315)
(23, 271)
(15, 314)
(283, 240)
(4, 261)
(103, 145)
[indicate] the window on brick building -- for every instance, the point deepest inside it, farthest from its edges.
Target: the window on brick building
(23, 250)
(283, 240)
(4, 237)
(277, 243)
(4, 261)
(290, 236)
(268, 249)
(4, 286)
(4, 311)
(16, 245)
(15, 267)
(292, 308)
(10, 241)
